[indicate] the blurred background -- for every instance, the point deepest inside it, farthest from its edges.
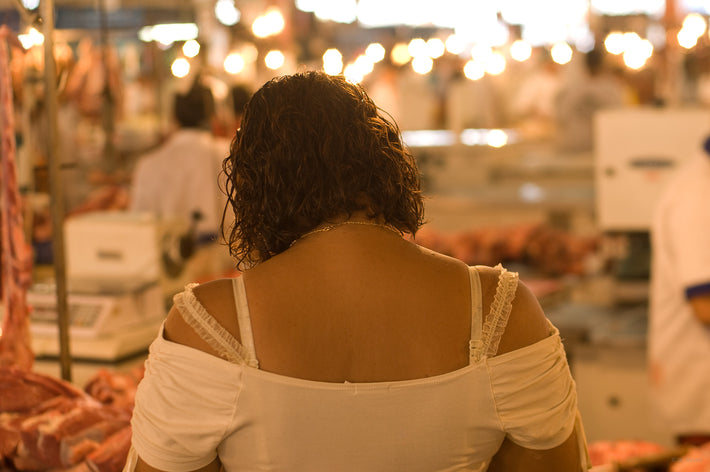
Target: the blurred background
(544, 131)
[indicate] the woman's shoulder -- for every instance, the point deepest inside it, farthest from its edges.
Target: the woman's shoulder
(213, 291)
(526, 323)
(217, 298)
(214, 299)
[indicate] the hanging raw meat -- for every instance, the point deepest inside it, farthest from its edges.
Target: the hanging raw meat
(46, 423)
(15, 252)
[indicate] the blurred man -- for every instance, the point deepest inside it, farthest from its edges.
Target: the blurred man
(241, 93)
(679, 334)
(179, 179)
(578, 102)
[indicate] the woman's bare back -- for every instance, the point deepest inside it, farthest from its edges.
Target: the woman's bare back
(358, 305)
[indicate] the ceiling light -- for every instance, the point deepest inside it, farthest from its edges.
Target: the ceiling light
(226, 12)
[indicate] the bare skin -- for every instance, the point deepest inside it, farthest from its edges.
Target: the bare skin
(364, 305)
(701, 308)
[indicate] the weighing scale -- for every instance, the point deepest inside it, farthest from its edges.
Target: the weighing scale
(102, 326)
(116, 282)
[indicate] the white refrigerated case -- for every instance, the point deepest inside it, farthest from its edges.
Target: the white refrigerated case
(636, 152)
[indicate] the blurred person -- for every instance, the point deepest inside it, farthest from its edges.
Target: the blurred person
(579, 100)
(383, 86)
(238, 98)
(629, 96)
(533, 105)
(702, 79)
(343, 345)
(179, 179)
(223, 127)
(240, 95)
(472, 104)
(417, 102)
(679, 331)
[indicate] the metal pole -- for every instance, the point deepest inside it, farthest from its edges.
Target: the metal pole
(671, 78)
(107, 110)
(55, 186)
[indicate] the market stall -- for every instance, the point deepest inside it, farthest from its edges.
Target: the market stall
(86, 283)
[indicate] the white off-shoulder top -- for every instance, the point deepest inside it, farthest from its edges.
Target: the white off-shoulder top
(192, 406)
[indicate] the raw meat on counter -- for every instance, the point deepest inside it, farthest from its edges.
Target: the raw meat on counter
(696, 460)
(49, 424)
(115, 388)
(547, 250)
(609, 452)
(22, 391)
(644, 456)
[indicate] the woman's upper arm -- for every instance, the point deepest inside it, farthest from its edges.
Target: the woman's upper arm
(187, 400)
(535, 394)
(216, 298)
(527, 323)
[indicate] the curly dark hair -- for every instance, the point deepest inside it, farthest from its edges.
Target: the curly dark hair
(312, 148)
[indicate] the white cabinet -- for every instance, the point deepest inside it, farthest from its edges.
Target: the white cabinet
(636, 151)
(612, 390)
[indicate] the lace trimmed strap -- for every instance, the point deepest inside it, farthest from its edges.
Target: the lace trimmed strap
(502, 304)
(243, 316)
(475, 343)
(207, 327)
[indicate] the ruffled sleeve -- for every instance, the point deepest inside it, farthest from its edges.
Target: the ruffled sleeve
(535, 394)
(184, 406)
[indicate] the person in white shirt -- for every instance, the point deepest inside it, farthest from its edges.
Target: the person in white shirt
(179, 179)
(679, 334)
(577, 103)
(533, 104)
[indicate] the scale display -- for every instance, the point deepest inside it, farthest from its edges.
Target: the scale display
(101, 327)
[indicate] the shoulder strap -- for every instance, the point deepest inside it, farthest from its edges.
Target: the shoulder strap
(475, 344)
(243, 316)
(209, 329)
(499, 313)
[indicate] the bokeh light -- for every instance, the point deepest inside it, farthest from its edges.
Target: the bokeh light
(234, 63)
(422, 64)
(180, 67)
(561, 53)
(400, 54)
(191, 48)
(520, 50)
(375, 52)
(274, 59)
(332, 62)
(474, 70)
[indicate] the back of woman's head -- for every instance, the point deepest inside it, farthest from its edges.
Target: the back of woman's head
(312, 148)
